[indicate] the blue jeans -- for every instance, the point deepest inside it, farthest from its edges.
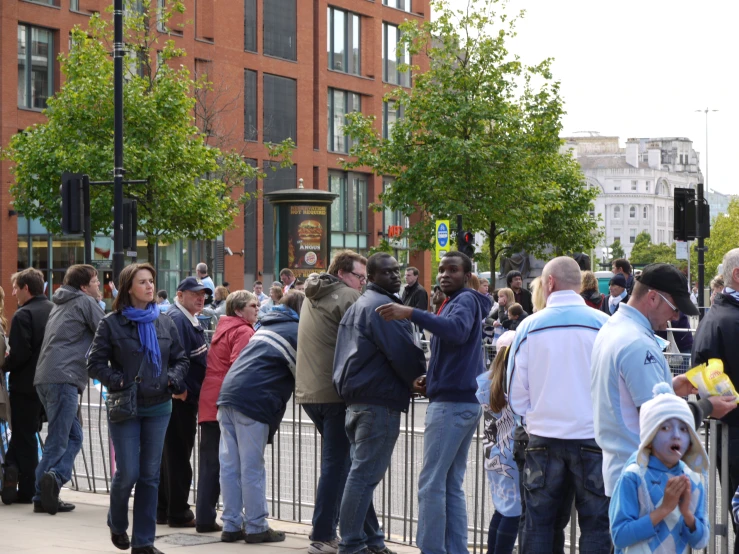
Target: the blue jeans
(64, 438)
(372, 432)
(442, 510)
(138, 444)
(502, 533)
(553, 466)
(243, 477)
(329, 420)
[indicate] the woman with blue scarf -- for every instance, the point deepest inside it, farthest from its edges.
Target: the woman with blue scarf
(136, 345)
(251, 405)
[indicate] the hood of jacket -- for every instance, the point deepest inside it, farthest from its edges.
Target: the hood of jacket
(592, 295)
(315, 289)
(65, 294)
(279, 314)
(484, 302)
(228, 322)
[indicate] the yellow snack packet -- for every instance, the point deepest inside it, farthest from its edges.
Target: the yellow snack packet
(710, 380)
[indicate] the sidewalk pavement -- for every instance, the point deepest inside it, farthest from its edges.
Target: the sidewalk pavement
(84, 530)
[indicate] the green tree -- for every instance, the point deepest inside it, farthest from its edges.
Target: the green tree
(617, 250)
(640, 254)
(724, 237)
(193, 191)
(479, 137)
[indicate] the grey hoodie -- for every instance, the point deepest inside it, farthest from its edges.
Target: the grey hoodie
(69, 332)
(327, 300)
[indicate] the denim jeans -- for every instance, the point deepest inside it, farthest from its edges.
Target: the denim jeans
(502, 533)
(372, 432)
(243, 476)
(138, 445)
(553, 466)
(329, 420)
(64, 438)
(442, 510)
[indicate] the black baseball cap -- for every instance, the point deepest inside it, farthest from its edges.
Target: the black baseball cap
(667, 278)
(618, 280)
(191, 283)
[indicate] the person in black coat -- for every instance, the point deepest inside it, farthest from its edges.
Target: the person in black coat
(25, 339)
(514, 280)
(375, 365)
(138, 344)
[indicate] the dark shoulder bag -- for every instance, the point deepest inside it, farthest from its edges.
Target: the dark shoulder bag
(121, 404)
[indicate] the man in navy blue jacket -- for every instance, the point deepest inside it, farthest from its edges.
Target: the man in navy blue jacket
(176, 471)
(375, 365)
(453, 412)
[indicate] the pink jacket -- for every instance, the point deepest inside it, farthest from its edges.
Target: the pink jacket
(232, 335)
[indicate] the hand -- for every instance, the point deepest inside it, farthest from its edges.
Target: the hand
(182, 396)
(419, 385)
(682, 386)
(674, 491)
(685, 498)
(394, 311)
(722, 405)
(496, 323)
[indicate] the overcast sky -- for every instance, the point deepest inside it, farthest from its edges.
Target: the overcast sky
(641, 69)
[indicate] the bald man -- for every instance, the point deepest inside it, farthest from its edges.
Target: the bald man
(549, 387)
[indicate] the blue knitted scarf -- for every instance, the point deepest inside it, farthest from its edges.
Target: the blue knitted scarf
(147, 333)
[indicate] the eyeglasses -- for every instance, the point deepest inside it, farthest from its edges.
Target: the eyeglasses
(670, 304)
(362, 278)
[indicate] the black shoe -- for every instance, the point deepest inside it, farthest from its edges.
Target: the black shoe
(49, 493)
(179, 524)
(208, 528)
(9, 493)
(62, 507)
(232, 536)
(121, 542)
(146, 550)
(270, 535)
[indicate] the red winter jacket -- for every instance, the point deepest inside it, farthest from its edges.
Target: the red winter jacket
(232, 335)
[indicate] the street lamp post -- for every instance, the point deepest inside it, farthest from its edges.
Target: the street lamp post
(702, 183)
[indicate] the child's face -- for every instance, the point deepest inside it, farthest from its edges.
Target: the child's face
(671, 442)
(512, 317)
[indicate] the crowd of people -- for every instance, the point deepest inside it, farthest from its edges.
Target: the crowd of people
(579, 403)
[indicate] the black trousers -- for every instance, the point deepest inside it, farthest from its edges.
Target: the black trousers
(176, 472)
(209, 473)
(25, 415)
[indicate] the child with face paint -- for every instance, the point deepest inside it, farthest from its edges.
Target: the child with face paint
(659, 503)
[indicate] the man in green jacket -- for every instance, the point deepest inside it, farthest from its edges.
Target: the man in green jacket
(328, 297)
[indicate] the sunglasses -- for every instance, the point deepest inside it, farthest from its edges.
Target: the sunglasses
(670, 304)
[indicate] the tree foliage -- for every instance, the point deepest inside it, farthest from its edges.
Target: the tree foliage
(617, 250)
(479, 137)
(645, 252)
(194, 190)
(724, 237)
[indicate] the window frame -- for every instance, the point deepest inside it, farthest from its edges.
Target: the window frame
(249, 134)
(402, 78)
(349, 100)
(270, 100)
(266, 25)
(28, 100)
(353, 208)
(409, 9)
(247, 20)
(399, 112)
(617, 212)
(349, 65)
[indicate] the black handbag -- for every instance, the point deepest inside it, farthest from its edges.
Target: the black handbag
(121, 404)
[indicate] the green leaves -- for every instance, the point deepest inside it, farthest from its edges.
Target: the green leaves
(724, 237)
(478, 139)
(194, 190)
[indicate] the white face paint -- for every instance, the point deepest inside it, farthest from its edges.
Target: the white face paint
(671, 441)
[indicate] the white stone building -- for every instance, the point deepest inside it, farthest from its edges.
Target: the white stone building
(636, 184)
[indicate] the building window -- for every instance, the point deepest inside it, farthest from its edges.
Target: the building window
(616, 186)
(648, 185)
(634, 185)
(343, 34)
(632, 212)
(35, 66)
(340, 103)
(392, 58)
(661, 214)
(280, 29)
(617, 235)
(616, 212)
(250, 25)
(632, 236)
(280, 108)
(74, 5)
(670, 215)
(392, 111)
(404, 5)
(348, 211)
(645, 212)
(250, 105)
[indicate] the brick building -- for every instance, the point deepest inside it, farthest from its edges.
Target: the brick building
(281, 68)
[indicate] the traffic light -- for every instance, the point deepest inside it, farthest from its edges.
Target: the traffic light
(72, 204)
(466, 243)
(130, 224)
(684, 223)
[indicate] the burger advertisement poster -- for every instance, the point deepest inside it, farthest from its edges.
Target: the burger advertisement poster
(307, 233)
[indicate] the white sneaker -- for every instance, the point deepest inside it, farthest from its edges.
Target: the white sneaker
(318, 547)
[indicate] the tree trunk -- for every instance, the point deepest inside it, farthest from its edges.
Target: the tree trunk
(150, 252)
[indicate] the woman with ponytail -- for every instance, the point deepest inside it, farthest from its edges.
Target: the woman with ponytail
(136, 345)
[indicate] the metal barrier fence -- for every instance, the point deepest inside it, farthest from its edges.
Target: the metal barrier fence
(293, 468)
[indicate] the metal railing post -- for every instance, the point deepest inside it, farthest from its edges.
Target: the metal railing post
(712, 485)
